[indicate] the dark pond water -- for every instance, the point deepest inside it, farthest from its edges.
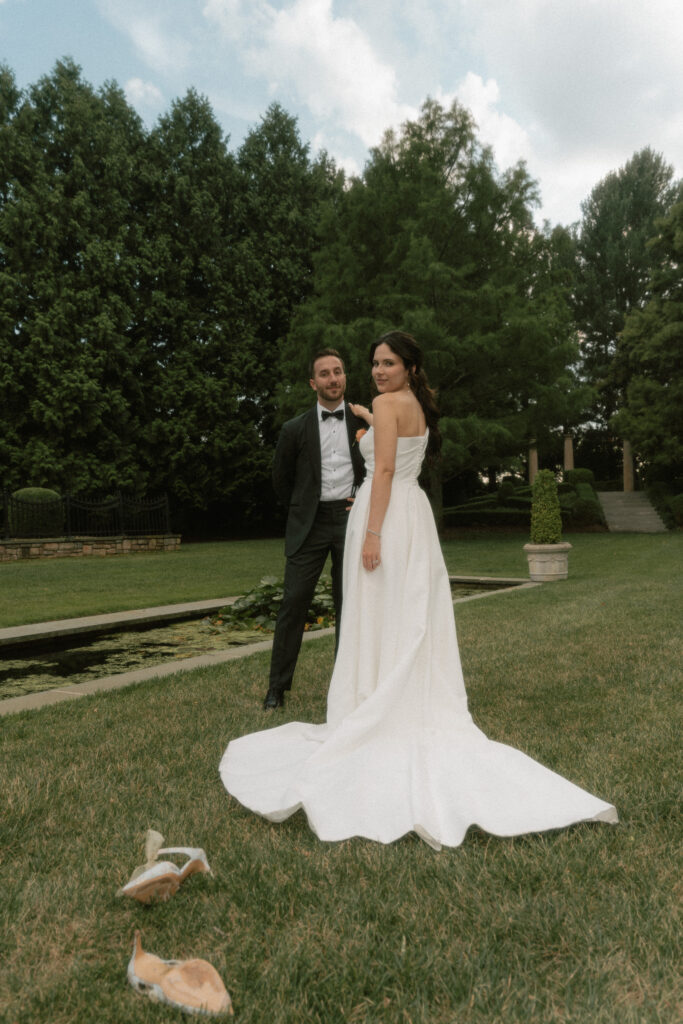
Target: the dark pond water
(45, 665)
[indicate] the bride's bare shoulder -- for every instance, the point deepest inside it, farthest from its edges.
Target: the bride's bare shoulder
(387, 400)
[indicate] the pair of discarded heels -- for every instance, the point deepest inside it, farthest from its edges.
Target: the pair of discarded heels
(193, 986)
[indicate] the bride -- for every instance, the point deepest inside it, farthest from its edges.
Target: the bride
(399, 751)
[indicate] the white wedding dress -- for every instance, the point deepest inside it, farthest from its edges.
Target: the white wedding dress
(399, 751)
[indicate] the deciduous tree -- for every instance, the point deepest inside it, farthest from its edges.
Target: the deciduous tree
(433, 239)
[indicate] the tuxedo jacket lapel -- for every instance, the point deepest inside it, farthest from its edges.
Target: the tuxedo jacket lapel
(313, 440)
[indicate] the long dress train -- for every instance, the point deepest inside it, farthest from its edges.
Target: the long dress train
(399, 751)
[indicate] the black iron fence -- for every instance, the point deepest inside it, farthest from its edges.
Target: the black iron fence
(72, 516)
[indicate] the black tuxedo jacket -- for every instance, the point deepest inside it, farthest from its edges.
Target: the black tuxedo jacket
(297, 471)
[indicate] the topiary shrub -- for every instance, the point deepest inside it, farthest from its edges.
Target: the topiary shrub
(586, 512)
(676, 506)
(546, 518)
(505, 492)
(579, 476)
(36, 512)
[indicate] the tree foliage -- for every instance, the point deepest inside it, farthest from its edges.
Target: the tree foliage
(160, 294)
(614, 267)
(193, 314)
(146, 279)
(70, 387)
(281, 192)
(434, 240)
(652, 344)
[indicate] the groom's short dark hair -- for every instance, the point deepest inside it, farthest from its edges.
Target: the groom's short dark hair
(320, 355)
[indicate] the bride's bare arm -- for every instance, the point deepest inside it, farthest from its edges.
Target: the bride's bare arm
(385, 424)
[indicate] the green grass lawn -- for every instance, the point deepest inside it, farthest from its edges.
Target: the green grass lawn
(46, 589)
(574, 926)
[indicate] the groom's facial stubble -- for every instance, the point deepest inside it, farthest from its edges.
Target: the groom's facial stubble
(329, 381)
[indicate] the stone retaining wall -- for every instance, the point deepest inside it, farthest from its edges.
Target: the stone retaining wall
(59, 547)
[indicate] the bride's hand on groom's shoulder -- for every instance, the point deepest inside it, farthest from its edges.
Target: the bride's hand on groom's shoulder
(361, 412)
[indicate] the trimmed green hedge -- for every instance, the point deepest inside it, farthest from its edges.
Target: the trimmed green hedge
(487, 517)
(510, 505)
(676, 506)
(546, 518)
(36, 512)
(586, 512)
(579, 476)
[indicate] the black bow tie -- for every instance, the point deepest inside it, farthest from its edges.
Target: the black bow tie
(339, 414)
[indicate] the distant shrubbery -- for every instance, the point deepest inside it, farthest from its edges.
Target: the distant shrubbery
(36, 512)
(510, 505)
(668, 504)
(579, 476)
(676, 506)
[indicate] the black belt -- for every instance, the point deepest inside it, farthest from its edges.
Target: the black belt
(335, 503)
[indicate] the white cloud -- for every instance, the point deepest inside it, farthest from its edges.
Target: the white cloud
(325, 62)
(236, 18)
(509, 141)
(593, 72)
(153, 34)
(349, 164)
(574, 88)
(144, 93)
(592, 82)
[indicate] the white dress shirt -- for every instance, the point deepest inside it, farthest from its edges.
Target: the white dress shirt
(335, 457)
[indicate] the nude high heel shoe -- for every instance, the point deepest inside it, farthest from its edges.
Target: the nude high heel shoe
(190, 985)
(160, 879)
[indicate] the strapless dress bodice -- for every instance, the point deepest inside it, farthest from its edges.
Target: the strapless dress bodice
(410, 453)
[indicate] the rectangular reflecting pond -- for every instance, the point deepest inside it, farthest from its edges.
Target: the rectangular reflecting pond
(48, 664)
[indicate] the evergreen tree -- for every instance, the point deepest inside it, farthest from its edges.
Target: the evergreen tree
(652, 343)
(281, 192)
(614, 267)
(70, 385)
(195, 314)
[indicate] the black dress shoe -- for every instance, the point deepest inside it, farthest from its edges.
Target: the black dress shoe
(274, 699)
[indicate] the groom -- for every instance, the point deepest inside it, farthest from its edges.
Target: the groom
(316, 471)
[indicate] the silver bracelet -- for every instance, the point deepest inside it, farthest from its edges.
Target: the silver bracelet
(373, 532)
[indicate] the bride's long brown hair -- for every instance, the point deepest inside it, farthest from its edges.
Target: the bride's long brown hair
(409, 352)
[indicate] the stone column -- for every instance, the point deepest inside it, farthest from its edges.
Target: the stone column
(628, 467)
(568, 451)
(533, 461)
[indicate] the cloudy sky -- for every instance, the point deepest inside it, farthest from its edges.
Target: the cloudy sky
(574, 87)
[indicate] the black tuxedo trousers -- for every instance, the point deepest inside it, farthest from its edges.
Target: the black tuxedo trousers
(302, 573)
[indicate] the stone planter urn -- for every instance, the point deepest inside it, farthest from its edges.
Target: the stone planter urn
(547, 554)
(548, 562)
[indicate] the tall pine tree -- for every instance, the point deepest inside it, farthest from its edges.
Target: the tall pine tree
(194, 313)
(652, 344)
(70, 384)
(614, 267)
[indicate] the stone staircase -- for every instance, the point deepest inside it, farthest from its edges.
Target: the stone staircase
(630, 512)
